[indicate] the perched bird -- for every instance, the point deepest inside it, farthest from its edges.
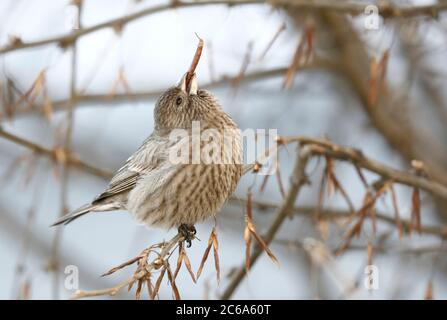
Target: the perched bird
(157, 188)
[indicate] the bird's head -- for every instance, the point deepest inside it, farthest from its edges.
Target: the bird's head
(179, 106)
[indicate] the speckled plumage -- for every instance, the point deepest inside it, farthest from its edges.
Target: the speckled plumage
(161, 193)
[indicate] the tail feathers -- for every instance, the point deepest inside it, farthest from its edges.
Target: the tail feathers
(74, 215)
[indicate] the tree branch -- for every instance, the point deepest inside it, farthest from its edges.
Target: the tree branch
(401, 137)
(333, 213)
(314, 147)
(298, 179)
(326, 148)
(52, 155)
(317, 147)
(385, 9)
(105, 99)
(144, 271)
(118, 23)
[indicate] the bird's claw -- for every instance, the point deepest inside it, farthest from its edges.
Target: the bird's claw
(189, 232)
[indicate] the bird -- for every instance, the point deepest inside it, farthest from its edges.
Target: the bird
(186, 169)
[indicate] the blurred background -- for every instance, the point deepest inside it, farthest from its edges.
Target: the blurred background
(322, 69)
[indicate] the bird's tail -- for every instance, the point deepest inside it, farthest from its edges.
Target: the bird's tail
(74, 214)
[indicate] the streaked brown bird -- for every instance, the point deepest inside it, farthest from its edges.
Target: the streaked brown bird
(184, 171)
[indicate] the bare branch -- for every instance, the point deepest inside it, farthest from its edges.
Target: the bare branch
(118, 23)
(298, 179)
(52, 154)
(105, 100)
(334, 214)
(385, 9)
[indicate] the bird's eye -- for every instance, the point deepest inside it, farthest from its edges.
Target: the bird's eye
(179, 101)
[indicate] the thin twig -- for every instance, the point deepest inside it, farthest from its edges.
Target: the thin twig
(159, 261)
(195, 62)
(334, 214)
(282, 27)
(298, 179)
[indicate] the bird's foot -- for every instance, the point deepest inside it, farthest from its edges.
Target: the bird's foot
(189, 232)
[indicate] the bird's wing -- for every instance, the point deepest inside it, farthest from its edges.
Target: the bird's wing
(151, 154)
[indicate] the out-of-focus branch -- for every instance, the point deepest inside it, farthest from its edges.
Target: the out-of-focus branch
(377, 249)
(386, 9)
(64, 207)
(272, 41)
(118, 23)
(402, 137)
(419, 66)
(333, 214)
(408, 141)
(39, 246)
(106, 99)
(53, 154)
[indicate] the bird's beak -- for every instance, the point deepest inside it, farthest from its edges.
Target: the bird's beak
(193, 86)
